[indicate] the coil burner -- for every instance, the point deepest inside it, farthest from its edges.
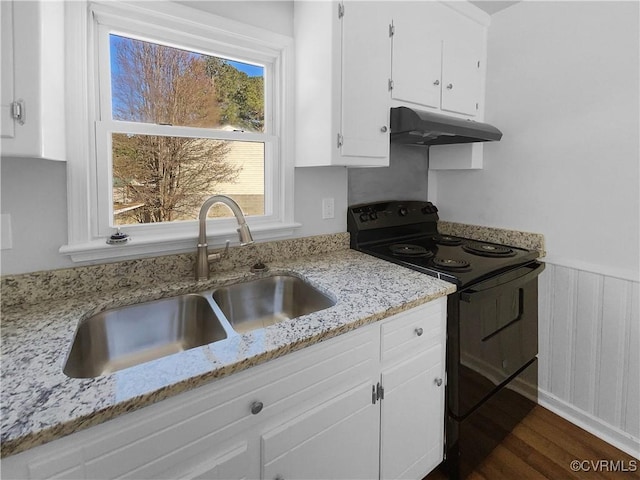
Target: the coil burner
(488, 250)
(451, 264)
(409, 250)
(447, 240)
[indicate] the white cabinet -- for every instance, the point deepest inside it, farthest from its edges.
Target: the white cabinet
(416, 68)
(412, 419)
(462, 57)
(315, 413)
(338, 439)
(32, 93)
(342, 83)
(439, 63)
(438, 58)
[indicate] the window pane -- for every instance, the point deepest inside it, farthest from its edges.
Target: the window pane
(166, 179)
(153, 83)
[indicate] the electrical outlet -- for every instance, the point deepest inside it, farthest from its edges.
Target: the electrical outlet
(327, 208)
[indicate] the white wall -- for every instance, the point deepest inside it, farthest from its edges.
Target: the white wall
(562, 85)
(34, 191)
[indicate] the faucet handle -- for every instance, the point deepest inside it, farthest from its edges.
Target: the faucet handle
(219, 255)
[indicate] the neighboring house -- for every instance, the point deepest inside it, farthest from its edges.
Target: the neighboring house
(247, 189)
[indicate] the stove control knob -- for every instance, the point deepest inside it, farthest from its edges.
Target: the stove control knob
(429, 209)
(402, 211)
(364, 217)
(373, 216)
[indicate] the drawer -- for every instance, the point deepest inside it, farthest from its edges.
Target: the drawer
(421, 328)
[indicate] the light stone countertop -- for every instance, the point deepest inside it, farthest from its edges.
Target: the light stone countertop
(39, 403)
(503, 236)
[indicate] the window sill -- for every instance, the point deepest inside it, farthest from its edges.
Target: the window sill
(149, 245)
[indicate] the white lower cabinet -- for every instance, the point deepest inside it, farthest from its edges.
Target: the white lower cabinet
(338, 439)
(411, 429)
(315, 413)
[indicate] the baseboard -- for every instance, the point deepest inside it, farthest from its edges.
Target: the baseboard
(610, 434)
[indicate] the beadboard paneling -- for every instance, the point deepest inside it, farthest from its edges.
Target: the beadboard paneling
(590, 351)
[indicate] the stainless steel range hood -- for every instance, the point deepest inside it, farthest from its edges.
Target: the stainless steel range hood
(419, 127)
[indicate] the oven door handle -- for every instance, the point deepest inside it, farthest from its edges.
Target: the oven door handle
(469, 295)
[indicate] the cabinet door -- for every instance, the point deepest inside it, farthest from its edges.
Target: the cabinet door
(366, 50)
(412, 422)
(461, 73)
(34, 59)
(6, 81)
(417, 55)
(339, 439)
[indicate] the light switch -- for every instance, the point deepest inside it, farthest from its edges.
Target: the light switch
(6, 241)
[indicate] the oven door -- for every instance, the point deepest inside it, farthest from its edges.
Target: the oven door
(495, 335)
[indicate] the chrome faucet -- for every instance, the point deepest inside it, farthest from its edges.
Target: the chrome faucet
(204, 257)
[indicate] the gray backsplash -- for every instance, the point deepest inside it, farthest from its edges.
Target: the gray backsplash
(404, 179)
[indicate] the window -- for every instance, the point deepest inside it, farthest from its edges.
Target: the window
(183, 105)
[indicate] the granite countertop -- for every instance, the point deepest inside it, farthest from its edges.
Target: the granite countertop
(503, 236)
(40, 403)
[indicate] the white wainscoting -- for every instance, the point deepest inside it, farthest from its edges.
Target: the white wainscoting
(589, 360)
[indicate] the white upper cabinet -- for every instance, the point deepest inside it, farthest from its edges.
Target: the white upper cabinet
(438, 56)
(462, 58)
(417, 54)
(32, 94)
(366, 50)
(342, 83)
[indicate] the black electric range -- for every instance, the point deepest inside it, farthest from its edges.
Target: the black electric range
(492, 321)
(406, 233)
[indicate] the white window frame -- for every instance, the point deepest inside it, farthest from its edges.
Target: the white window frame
(89, 124)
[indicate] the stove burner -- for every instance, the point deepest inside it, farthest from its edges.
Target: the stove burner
(488, 250)
(450, 264)
(447, 240)
(408, 250)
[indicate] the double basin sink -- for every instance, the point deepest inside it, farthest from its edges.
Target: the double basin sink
(126, 336)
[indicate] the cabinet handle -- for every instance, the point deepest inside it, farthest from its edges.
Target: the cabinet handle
(419, 331)
(256, 407)
(436, 83)
(438, 382)
(383, 129)
(279, 477)
(450, 86)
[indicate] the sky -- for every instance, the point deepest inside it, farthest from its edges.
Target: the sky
(251, 70)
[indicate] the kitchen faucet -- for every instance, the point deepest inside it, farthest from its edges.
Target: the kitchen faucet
(204, 257)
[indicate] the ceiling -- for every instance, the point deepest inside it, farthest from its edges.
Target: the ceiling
(493, 6)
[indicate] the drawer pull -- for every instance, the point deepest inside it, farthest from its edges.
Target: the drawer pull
(438, 382)
(419, 331)
(256, 407)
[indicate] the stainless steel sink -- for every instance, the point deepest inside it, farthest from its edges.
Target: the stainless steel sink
(126, 336)
(266, 301)
(122, 337)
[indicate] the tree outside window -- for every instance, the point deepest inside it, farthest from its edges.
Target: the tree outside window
(158, 178)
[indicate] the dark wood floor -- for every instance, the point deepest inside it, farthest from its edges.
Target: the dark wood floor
(543, 445)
